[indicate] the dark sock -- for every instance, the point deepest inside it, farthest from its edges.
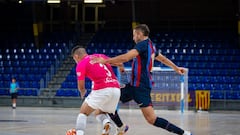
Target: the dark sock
(168, 126)
(115, 117)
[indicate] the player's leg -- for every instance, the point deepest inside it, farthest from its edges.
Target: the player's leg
(126, 95)
(85, 110)
(104, 119)
(107, 100)
(152, 119)
(81, 121)
(14, 100)
(121, 128)
(14, 104)
(143, 98)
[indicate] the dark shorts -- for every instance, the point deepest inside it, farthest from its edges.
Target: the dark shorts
(142, 96)
(13, 95)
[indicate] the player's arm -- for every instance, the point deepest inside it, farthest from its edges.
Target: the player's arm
(123, 58)
(169, 63)
(117, 64)
(120, 66)
(119, 59)
(80, 71)
(81, 88)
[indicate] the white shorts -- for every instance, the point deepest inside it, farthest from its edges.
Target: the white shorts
(105, 99)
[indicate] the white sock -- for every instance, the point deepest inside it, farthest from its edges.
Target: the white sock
(102, 118)
(106, 121)
(14, 104)
(81, 123)
(186, 132)
(80, 132)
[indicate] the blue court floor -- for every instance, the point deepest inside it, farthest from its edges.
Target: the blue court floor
(55, 121)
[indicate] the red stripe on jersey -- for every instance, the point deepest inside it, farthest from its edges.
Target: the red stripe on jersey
(132, 72)
(139, 70)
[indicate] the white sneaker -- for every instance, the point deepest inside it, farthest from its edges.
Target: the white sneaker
(106, 129)
(122, 130)
(187, 133)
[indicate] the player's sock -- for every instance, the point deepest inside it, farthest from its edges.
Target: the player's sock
(160, 122)
(14, 105)
(102, 118)
(80, 132)
(115, 117)
(81, 123)
(187, 133)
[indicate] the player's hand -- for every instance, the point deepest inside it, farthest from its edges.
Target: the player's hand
(121, 69)
(83, 93)
(181, 70)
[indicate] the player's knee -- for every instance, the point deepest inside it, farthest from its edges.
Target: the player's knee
(81, 122)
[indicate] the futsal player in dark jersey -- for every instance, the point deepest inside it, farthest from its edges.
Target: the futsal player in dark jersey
(140, 86)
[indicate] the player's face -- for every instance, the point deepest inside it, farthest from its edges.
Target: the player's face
(137, 36)
(76, 58)
(13, 80)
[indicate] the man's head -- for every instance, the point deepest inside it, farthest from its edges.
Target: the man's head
(78, 53)
(140, 33)
(13, 80)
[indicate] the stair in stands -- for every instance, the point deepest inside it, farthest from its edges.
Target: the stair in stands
(65, 69)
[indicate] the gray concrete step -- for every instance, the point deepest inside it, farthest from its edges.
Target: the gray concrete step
(65, 69)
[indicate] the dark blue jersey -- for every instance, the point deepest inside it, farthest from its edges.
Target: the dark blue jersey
(142, 64)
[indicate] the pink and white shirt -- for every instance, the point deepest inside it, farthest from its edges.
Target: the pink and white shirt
(101, 75)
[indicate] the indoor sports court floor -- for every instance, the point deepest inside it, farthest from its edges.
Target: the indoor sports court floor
(55, 121)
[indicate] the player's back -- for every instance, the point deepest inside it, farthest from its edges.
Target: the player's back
(102, 75)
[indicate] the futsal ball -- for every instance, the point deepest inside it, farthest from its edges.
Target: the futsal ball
(71, 132)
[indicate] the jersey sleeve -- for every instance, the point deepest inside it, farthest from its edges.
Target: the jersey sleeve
(81, 71)
(140, 47)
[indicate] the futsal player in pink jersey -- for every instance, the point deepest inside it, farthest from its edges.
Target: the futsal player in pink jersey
(105, 93)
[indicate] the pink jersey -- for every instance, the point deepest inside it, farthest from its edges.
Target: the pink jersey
(102, 75)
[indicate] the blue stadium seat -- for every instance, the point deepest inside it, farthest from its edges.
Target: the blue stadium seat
(21, 92)
(24, 84)
(4, 92)
(30, 93)
(233, 95)
(35, 84)
(7, 76)
(67, 93)
(60, 93)
(217, 95)
(7, 63)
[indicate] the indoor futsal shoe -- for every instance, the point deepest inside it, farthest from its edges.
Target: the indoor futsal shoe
(71, 132)
(122, 130)
(106, 129)
(187, 133)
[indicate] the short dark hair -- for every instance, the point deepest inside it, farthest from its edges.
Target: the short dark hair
(143, 28)
(75, 48)
(79, 50)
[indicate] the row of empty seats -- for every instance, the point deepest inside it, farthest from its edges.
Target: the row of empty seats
(21, 92)
(213, 58)
(29, 64)
(70, 92)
